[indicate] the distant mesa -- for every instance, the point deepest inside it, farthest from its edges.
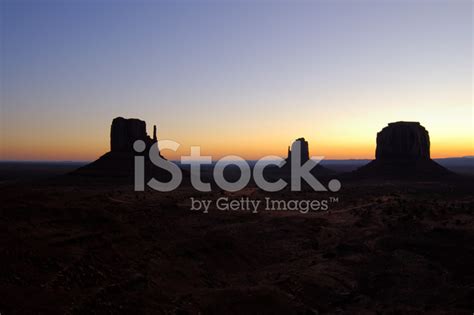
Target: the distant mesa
(124, 132)
(119, 161)
(403, 152)
(403, 140)
(284, 171)
(304, 150)
(304, 156)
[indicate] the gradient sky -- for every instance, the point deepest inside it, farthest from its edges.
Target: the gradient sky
(241, 78)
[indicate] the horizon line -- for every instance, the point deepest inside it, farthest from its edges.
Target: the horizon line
(213, 161)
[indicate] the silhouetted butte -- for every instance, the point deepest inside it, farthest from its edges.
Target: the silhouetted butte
(403, 152)
(119, 161)
(273, 173)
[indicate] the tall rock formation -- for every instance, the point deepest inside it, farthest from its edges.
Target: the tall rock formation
(403, 140)
(273, 173)
(403, 152)
(124, 132)
(119, 161)
(302, 144)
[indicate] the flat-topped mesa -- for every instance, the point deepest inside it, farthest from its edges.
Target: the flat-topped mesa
(298, 149)
(303, 149)
(403, 153)
(403, 141)
(119, 162)
(124, 132)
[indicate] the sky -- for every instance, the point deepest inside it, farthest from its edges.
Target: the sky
(235, 77)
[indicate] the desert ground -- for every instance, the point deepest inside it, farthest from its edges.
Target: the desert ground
(72, 247)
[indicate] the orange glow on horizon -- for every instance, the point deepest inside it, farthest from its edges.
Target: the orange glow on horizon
(249, 150)
(351, 136)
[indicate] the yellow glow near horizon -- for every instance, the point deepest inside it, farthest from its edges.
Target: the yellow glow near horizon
(337, 126)
(251, 152)
(350, 142)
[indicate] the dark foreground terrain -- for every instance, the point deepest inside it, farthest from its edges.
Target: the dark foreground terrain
(382, 248)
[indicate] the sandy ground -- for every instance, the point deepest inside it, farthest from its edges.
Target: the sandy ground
(381, 248)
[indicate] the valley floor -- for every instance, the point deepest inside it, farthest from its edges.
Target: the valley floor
(380, 248)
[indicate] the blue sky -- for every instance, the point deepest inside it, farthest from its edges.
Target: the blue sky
(233, 75)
